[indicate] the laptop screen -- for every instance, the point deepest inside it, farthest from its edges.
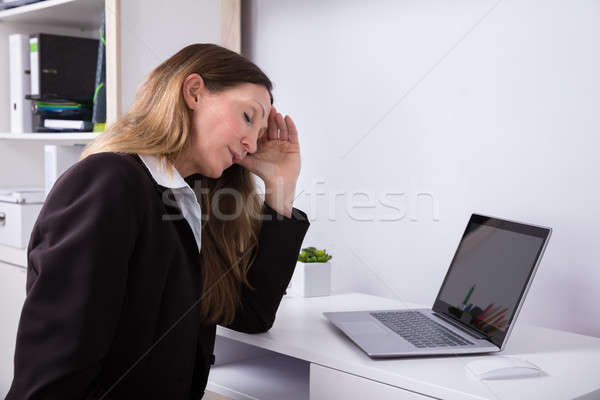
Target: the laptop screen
(489, 274)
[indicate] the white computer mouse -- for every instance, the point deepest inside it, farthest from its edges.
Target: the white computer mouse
(502, 367)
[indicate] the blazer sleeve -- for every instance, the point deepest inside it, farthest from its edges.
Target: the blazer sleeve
(76, 279)
(279, 243)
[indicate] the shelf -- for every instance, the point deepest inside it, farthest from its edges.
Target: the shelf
(13, 255)
(52, 138)
(82, 14)
(274, 376)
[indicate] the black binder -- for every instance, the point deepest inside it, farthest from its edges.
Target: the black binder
(65, 67)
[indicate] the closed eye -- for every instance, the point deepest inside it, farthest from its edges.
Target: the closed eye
(247, 117)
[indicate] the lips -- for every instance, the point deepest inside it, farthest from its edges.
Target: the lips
(235, 157)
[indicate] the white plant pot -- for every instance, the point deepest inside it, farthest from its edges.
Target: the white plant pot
(311, 279)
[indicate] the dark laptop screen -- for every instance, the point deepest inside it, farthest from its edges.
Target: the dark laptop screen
(489, 274)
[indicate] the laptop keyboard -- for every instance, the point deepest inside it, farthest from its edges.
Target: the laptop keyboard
(419, 330)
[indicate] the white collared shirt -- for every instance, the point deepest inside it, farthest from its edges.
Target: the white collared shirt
(184, 195)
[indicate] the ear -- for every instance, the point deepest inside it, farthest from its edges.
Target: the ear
(193, 88)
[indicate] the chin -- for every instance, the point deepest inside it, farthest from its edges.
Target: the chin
(212, 171)
(215, 175)
(218, 172)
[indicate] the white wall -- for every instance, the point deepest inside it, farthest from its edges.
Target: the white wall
(485, 106)
(147, 41)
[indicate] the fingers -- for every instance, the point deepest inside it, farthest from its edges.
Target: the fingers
(261, 140)
(280, 128)
(291, 129)
(272, 125)
(283, 130)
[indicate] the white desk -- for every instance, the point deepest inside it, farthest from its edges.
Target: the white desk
(305, 357)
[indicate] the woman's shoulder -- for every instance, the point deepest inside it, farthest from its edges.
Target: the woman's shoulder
(118, 167)
(110, 161)
(102, 184)
(104, 174)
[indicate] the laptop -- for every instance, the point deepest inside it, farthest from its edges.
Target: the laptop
(476, 306)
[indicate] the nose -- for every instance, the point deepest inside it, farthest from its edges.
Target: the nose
(250, 144)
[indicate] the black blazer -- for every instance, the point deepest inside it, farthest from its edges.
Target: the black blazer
(111, 289)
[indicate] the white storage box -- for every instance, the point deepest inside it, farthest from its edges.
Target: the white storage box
(19, 209)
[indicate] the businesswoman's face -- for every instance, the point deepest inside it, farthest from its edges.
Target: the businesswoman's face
(226, 125)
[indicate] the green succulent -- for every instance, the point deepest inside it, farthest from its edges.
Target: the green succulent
(312, 254)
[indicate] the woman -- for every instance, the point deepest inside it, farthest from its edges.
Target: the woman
(156, 235)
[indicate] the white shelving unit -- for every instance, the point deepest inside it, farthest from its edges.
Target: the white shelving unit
(52, 138)
(81, 14)
(21, 154)
(13, 255)
(11, 302)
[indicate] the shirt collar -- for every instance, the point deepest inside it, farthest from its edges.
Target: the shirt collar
(159, 172)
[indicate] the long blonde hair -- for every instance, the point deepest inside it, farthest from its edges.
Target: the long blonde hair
(159, 123)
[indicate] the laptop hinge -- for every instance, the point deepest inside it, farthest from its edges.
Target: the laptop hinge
(463, 328)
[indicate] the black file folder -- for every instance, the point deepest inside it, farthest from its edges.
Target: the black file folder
(62, 67)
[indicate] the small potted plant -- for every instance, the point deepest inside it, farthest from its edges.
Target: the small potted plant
(312, 276)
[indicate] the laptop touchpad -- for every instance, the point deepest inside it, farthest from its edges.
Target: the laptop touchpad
(362, 327)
